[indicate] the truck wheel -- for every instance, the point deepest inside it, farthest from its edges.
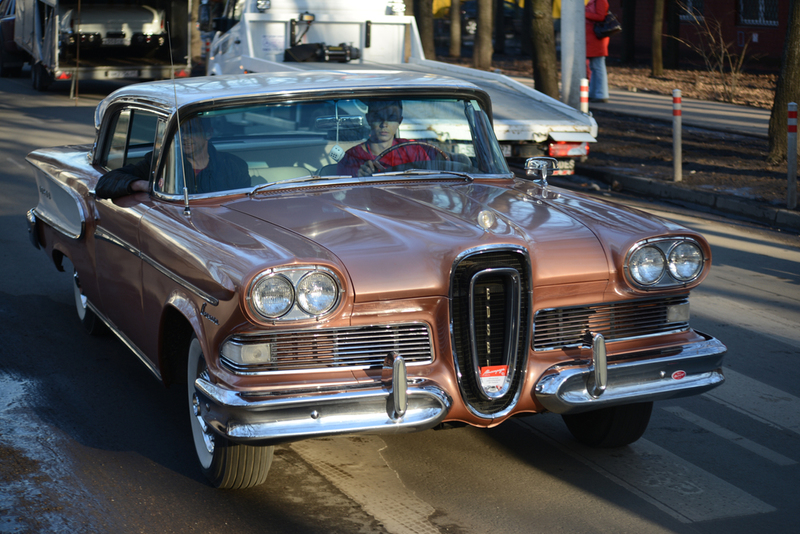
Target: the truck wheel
(226, 464)
(40, 78)
(610, 427)
(90, 321)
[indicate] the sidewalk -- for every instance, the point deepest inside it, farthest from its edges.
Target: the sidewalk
(717, 116)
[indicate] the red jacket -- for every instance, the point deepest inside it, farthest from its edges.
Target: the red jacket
(358, 155)
(596, 11)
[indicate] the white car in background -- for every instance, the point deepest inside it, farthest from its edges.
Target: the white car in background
(110, 25)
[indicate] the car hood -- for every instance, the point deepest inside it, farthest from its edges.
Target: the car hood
(400, 241)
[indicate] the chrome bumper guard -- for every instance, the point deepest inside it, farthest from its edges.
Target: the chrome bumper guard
(688, 370)
(396, 405)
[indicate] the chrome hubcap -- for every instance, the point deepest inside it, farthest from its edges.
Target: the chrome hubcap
(208, 435)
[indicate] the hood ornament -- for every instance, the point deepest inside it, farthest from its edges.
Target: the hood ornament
(539, 168)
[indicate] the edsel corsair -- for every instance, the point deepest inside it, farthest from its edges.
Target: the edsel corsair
(312, 296)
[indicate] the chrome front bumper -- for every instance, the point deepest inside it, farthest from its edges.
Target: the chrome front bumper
(687, 370)
(394, 406)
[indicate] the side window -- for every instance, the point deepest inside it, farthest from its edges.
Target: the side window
(134, 135)
(234, 10)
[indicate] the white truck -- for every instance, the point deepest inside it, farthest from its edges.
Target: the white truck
(103, 39)
(375, 35)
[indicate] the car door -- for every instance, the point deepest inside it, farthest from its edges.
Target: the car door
(131, 136)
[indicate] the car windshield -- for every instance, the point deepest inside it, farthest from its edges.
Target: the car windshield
(234, 148)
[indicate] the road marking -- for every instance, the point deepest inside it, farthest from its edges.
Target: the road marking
(17, 163)
(355, 465)
(758, 400)
(673, 485)
(733, 437)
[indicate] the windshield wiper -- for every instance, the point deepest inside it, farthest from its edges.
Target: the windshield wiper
(301, 179)
(420, 172)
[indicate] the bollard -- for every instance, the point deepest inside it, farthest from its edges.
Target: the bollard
(584, 95)
(791, 156)
(677, 167)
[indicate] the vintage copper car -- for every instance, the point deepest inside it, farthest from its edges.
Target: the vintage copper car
(443, 291)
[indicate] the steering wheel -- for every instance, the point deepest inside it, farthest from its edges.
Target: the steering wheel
(436, 149)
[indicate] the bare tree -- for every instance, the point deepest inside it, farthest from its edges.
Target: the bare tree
(657, 56)
(424, 16)
(482, 50)
(786, 90)
(455, 28)
(545, 64)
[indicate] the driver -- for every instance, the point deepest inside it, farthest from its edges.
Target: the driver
(384, 118)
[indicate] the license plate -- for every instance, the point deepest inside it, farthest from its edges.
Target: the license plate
(116, 42)
(122, 74)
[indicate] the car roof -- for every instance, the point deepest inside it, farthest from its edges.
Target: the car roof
(170, 95)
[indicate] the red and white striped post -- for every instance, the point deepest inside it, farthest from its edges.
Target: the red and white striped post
(584, 95)
(791, 156)
(677, 156)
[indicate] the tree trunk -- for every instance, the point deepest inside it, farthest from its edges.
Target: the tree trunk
(545, 65)
(455, 28)
(629, 31)
(787, 89)
(425, 26)
(657, 68)
(482, 51)
(499, 28)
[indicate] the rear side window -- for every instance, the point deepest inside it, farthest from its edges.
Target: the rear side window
(133, 136)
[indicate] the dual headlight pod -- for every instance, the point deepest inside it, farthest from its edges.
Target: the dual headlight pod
(664, 263)
(294, 293)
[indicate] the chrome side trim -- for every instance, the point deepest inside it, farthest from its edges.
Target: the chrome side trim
(128, 343)
(57, 227)
(105, 235)
(684, 370)
(245, 418)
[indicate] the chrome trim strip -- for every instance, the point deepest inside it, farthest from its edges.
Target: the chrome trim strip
(178, 280)
(105, 235)
(686, 370)
(57, 227)
(293, 417)
(128, 343)
(599, 364)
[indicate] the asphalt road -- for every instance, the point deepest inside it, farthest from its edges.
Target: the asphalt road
(90, 442)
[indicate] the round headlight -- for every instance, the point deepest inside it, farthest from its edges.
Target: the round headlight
(272, 296)
(685, 261)
(646, 265)
(317, 293)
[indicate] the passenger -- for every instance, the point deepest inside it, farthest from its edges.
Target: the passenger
(384, 118)
(213, 170)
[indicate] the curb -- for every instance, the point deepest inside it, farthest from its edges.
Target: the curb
(727, 204)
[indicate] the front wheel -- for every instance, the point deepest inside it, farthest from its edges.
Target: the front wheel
(40, 78)
(226, 464)
(610, 427)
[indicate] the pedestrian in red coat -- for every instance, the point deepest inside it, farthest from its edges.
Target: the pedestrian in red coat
(596, 51)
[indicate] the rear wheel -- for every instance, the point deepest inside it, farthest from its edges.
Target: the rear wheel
(610, 427)
(226, 464)
(90, 321)
(9, 65)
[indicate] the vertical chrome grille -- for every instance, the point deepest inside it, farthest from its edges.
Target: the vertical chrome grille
(490, 315)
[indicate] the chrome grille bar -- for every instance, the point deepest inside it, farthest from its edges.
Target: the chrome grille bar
(340, 348)
(559, 328)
